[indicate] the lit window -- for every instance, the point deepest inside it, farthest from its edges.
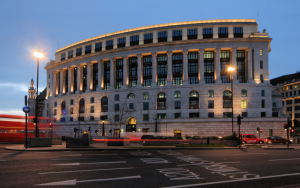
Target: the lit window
(211, 93)
(177, 94)
(131, 96)
(146, 95)
(260, 52)
(244, 104)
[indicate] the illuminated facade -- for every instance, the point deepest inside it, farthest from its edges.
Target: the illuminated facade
(174, 74)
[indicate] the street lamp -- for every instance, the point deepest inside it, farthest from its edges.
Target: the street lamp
(38, 56)
(231, 69)
(103, 128)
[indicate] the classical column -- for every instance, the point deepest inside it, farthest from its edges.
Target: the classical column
(169, 67)
(99, 75)
(235, 81)
(61, 82)
(53, 83)
(78, 79)
(70, 80)
(88, 77)
(125, 72)
(201, 66)
(154, 74)
(250, 69)
(139, 71)
(185, 67)
(112, 74)
(217, 69)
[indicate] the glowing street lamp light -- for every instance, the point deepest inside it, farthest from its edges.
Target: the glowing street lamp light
(38, 56)
(231, 69)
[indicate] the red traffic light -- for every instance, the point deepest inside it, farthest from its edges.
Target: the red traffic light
(260, 131)
(50, 124)
(292, 130)
(285, 126)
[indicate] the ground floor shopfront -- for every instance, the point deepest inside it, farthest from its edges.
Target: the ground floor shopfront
(203, 127)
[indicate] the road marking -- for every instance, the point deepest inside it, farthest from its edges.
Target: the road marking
(76, 164)
(87, 158)
(78, 155)
(231, 162)
(230, 181)
(87, 170)
(285, 159)
(74, 181)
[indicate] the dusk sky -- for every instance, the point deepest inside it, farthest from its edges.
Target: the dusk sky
(45, 26)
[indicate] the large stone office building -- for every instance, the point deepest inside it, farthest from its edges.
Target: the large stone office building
(171, 78)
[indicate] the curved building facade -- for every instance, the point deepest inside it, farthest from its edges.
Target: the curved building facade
(170, 78)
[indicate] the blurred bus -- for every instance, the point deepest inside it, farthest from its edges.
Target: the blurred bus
(12, 128)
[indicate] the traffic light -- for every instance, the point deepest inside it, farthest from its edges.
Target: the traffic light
(285, 126)
(35, 120)
(260, 131)
(75, 130)
(257, 129)
(96, 131)
(239, 119)
(292, 132)
(50, 125)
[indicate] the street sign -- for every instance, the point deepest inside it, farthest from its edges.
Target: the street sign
(26, 109)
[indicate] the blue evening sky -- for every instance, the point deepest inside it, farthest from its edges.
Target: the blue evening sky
(39, 25)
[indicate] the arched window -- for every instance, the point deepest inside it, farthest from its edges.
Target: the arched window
(92, 100)
(194, 100)
(161, 101)
(117, 97)
(104, 104)
(227, 99)
(177, 94)
(146, 95)
(131, 96)
(81, 106)
(63, 108)
(244, 93)
(211, 93)
(71, 102)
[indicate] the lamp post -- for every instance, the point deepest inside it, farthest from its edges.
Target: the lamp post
(231, 69)
(38, 56)
(103, 129)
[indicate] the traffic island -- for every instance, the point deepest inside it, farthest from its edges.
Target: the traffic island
(117, 141)
(72, 142)
(39, 142)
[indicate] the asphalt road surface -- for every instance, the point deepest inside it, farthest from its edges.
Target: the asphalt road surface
(151, 168)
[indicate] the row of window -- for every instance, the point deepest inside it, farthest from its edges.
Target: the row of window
(162, 37)
(161, 103)
(176, 115)
(290, 108)
(290, 94)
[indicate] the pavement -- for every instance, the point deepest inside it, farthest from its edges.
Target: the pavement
(133, 146)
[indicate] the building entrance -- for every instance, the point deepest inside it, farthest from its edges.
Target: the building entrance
(131, 125)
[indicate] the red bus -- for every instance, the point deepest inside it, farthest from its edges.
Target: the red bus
(12, 128)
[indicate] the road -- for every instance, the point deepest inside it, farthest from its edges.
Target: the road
(151, 168)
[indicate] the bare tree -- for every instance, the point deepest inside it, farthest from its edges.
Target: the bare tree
(122, 115)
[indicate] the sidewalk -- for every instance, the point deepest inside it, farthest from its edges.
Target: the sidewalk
(102, 146)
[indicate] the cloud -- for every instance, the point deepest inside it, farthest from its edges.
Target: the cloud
(19, 87)
(13, 112)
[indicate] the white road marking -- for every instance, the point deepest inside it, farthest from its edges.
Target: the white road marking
(230, 181)
(86, 158)
(76, 164)
(74, 181)
(285, 159)
(78, 155)
(87, 170)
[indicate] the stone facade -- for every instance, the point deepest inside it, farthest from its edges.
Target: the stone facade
(61, 81)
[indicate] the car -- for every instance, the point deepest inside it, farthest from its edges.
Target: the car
(276, 139)
(147, 137)
(251, 139)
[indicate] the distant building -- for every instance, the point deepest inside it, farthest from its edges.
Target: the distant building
(288, 86)
(32, 97)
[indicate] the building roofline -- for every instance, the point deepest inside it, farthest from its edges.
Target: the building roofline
(253, 21)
